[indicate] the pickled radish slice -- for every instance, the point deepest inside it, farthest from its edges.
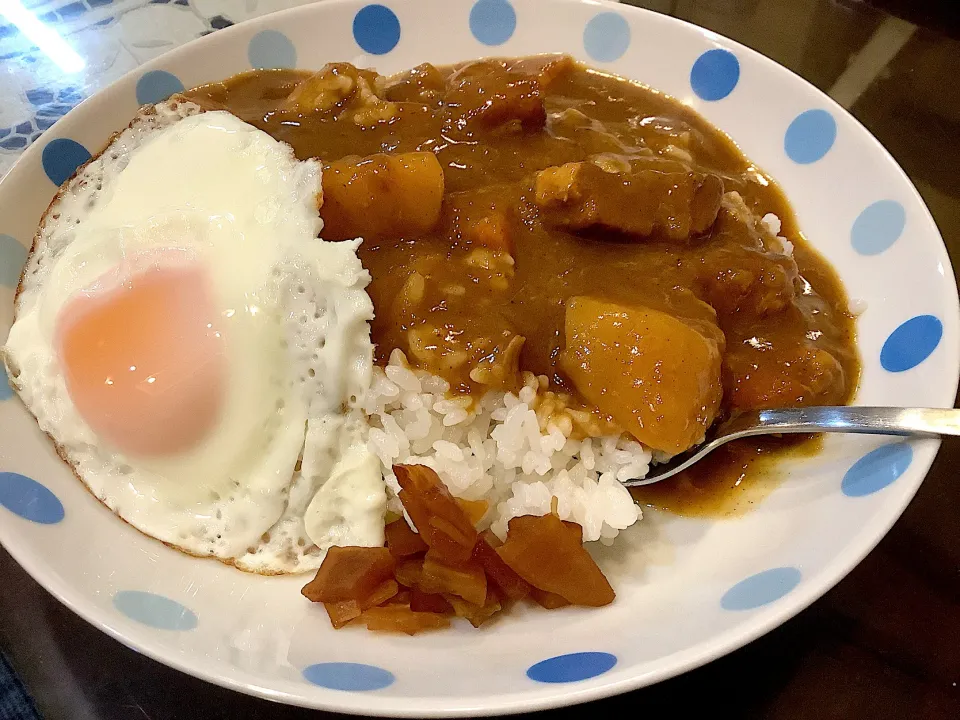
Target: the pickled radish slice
(545, 552)
(350, 573)
(439, 520)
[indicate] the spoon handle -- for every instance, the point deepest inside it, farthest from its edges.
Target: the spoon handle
(928, 422)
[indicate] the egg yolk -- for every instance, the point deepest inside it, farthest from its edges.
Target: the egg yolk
(144, 360)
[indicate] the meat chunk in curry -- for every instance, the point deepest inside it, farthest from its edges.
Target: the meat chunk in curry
(534, 218)
(663, 200)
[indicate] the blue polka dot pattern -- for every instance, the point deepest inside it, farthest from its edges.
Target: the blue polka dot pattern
(715, 74)
(154, 610)
(492, 22)
(911, 343)
(877, 469)
(761, 589)
(572, 667)
(376, 29)
(29, 499)
(12, 257)
(156, 86)
(6, 392)
(810, 136)
(878, 227)
(271, 49)
(355, 677)
(606, 37)
(61, 158)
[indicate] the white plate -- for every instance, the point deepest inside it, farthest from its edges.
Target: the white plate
(688, 590)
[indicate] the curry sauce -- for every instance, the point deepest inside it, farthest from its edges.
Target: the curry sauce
(496, 197)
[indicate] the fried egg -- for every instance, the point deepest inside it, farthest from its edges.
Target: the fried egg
(195, 351)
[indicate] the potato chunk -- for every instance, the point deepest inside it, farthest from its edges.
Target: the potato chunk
(381, 196)
(656, 375)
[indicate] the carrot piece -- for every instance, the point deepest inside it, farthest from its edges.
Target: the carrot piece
(399, 618)
(544, 552)
(548, 600)
(467, 580)
(490, 231)
(502, 575)
(350, 573)
(383, 592)
(402, 541)
(429, 602)
(408, 572)
(441, 522)
(342, 612)
(474, 509)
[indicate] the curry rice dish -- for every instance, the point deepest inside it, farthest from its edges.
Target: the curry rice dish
(572, 276)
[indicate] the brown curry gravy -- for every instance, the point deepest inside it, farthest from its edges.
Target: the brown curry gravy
(589, 115)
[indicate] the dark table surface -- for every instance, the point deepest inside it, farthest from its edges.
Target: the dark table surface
(885, 643)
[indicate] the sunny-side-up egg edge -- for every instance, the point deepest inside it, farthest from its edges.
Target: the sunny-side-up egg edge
(308, 482)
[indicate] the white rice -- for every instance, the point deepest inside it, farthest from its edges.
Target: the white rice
(858, 306)
(497, 451)
(773, 225)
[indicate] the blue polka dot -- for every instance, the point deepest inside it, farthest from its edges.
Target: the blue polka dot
(911, 343)
(6, 392)
(492, 22)
(878, 227)
(572, 667)
(62, 157)
(761, 589)
(154, 610)
(376, 29)
(271, 49)
(877, 469)
(29, 499)
(606, 37)
(810, 136)
(715, 74)
(156, 86)
(12, 257)
(355, 677)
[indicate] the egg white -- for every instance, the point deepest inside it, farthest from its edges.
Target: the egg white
(297, 337)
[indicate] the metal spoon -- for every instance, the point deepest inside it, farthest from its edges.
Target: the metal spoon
(919, 422)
